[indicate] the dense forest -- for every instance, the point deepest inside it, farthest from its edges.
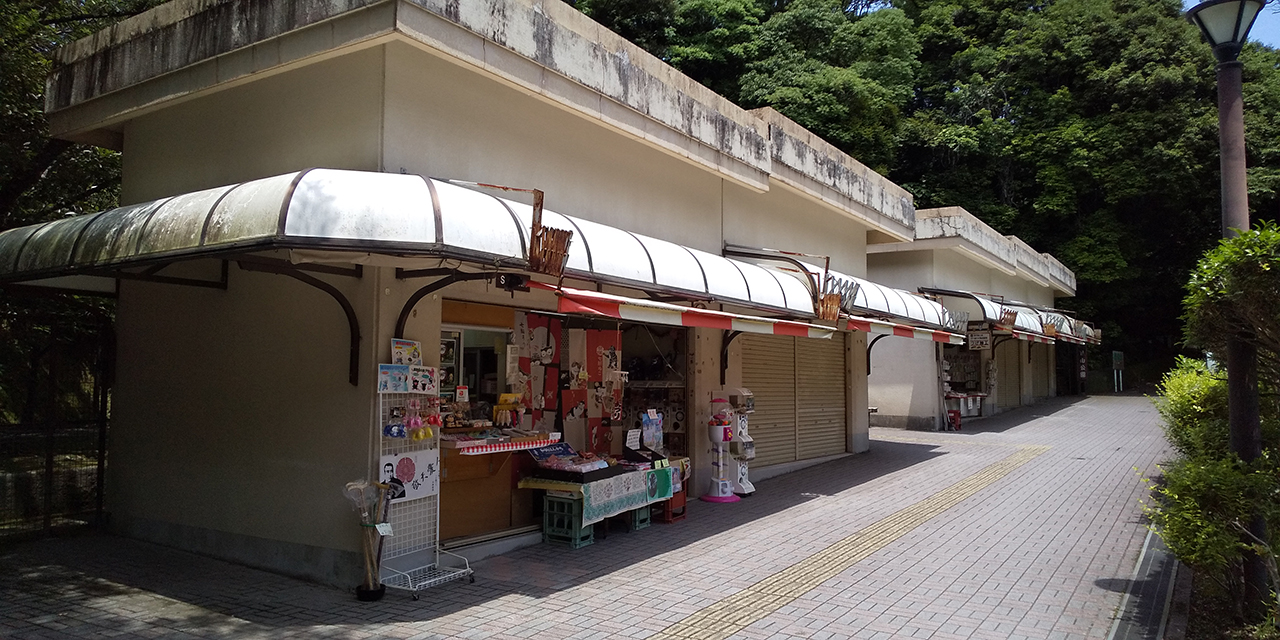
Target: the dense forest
(1086, 127)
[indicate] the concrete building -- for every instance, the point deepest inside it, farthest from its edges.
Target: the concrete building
(276, 162)
(1006, 292)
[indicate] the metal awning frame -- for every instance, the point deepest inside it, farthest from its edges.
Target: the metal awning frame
(996, 323)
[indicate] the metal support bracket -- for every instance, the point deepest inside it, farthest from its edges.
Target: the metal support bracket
(815, 288)
(454, 276)
(280, 267)
(405, 274)
(871, 345)
(724, 353)
(151, 274)
(354, 271)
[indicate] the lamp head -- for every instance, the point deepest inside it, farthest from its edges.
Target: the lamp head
(1225, 24)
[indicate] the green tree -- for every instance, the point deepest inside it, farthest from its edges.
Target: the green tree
(48, 346)
(1086, 127)
(714, 40)
(843, 77)
(645, 23)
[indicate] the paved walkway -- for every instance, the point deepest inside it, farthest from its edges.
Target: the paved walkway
(1026, 527)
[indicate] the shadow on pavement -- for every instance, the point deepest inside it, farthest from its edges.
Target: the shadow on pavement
(75, 575)
(1019, 416)
(1143, 613)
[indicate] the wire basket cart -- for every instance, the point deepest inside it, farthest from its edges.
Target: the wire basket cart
(412, 559)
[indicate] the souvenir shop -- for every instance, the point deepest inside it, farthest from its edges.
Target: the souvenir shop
(968, 375)
(513, 380)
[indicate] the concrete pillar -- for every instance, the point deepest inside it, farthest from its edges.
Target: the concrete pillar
(704, 378)
(1027, 373)
(858, 438)
(1052, 367)
(988, 403)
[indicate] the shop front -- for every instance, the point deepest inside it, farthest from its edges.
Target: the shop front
(1004, 363)
(542, 371)
(519, 359)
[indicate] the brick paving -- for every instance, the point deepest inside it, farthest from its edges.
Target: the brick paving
(1042, 549)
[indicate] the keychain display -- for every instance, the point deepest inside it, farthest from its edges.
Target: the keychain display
(416, 417)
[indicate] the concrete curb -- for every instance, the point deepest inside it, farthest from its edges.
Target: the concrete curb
(1179, 605)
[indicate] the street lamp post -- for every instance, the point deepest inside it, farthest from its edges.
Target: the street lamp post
(1225, 25)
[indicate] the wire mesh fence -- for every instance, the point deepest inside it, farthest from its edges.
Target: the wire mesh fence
(50, 475)
(56, 357)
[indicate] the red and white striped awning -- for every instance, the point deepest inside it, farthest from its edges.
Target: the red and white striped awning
(653, 312)
(1023, 335)
(499, 447)
(883, 327)
(636, 310)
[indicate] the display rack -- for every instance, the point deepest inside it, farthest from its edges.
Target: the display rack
(411, 556)
(655, 384)
(500, 447)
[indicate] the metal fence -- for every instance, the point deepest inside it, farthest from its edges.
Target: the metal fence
(51, 475)
(55, 366)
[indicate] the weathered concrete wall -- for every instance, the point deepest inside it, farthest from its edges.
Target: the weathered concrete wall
(546, 48)
(1032, 265)
(903, 380)
(499, 135)
(783, 219)
(562, 40)
(293, 121)
(955, 222)
(955, 228)
(1063, 279)
(173, 36)
(234, 426)
(808, 163)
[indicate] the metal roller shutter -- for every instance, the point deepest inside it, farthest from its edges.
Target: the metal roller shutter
(821, 395)
(769, 371)
(1008, 375)
(1040, 369)
(799, 386)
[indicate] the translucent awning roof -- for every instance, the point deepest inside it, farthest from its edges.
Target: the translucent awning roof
(384, 213)
(1026, 319)
(879, 300)
(1066, 328)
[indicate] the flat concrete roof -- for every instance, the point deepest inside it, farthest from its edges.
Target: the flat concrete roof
(187, 48)
(956, 228)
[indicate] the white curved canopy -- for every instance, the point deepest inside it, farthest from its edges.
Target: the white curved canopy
(386, 213)
(879, 300)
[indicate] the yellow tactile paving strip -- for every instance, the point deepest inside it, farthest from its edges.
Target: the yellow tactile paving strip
(939, 442)
(744, 608)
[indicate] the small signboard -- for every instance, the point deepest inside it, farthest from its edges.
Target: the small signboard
(978, 340)
(1117, 361)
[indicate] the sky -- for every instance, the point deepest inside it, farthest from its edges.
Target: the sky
(1266, 29)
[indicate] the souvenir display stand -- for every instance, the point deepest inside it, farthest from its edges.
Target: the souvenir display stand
(409, 426)
(962, 385)
(583, 490)
(675, 509)
(720, 429)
